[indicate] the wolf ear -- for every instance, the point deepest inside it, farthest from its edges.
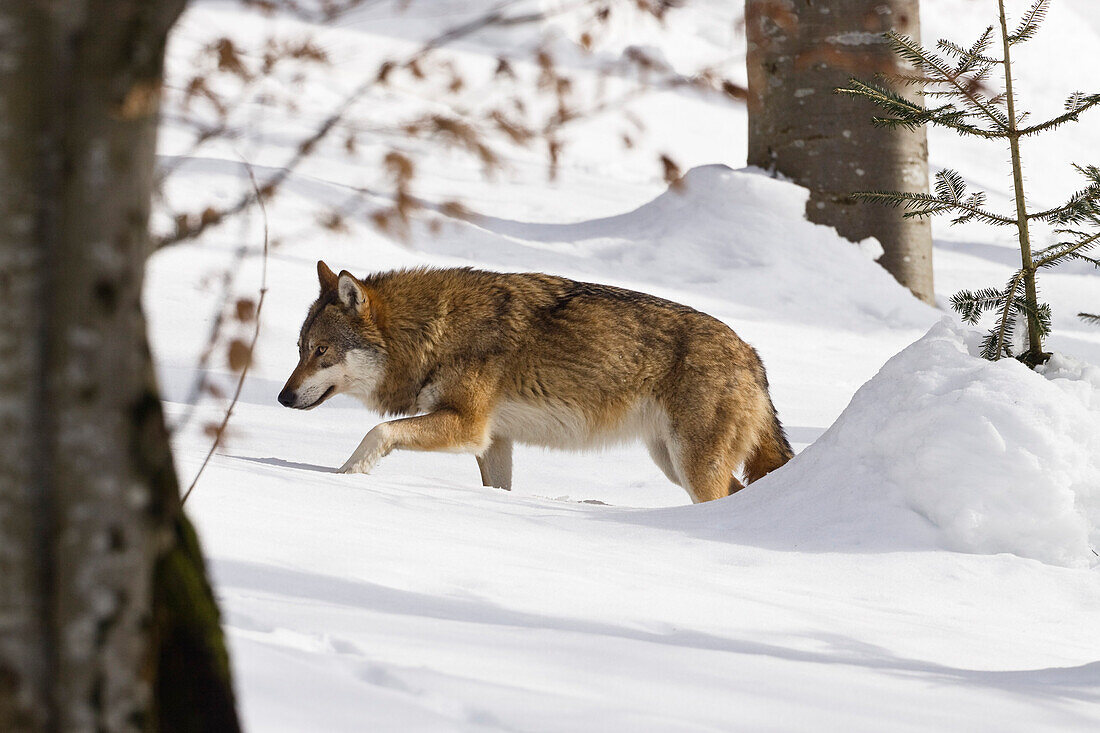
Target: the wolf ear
(326, 276)
(354, 295)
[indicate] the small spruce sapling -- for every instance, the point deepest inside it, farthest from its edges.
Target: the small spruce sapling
(955, 84)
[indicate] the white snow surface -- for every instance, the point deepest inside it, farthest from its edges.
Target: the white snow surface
(926, 563)
(944, 449)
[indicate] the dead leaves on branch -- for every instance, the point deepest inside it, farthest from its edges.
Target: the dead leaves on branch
(537, 101)
(229, 58)
(199, 88)
(397, 218)
(238, 355)
(312, 11)
(455, 132)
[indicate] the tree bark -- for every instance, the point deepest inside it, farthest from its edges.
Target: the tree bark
(103, 587)
(799, 51)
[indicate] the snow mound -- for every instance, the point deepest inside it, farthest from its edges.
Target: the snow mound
(944, 449)
(736, 236)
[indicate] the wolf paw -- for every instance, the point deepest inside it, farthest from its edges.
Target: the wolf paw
(375, 447)
(353, 466)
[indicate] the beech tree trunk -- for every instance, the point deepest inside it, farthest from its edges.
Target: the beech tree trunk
(799, 51)
(107, 622)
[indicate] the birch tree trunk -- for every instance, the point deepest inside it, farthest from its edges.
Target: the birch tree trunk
(102, 590)
(799, 51)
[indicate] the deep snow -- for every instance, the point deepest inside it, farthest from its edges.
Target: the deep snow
(944, 449)
(926, 564)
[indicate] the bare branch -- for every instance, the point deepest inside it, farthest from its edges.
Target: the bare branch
(251, 347)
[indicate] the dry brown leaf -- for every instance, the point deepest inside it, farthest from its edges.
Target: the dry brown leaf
(239, 355)
(246, 310)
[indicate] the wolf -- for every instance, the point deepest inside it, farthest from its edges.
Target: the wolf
(478, 361)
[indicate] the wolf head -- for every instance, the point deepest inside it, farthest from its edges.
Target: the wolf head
(340, 347)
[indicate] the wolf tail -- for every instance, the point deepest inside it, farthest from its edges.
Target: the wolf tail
(771, 451)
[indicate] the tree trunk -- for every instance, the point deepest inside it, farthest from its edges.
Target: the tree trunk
(799, 51)
(103, 591)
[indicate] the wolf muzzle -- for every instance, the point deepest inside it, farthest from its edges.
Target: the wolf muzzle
(287, 397)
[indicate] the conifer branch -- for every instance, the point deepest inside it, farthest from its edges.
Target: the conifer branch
(1040, 312)
(1051, 255)
(1084, 205)
(909, 112)
(1080, 104)
(1029, 25)
(970, 305)
(923, 204)
(973, 56)
(921, 58)
(1084, 258)
(1091, 172)
(1004, 329)
(912, 80)
(950, 186)
(911, 115)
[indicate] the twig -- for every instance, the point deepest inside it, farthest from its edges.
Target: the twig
(1068, 250)
(1010, 298)
(496, 17)
(200, 383)
(307, 146)
(251, 346)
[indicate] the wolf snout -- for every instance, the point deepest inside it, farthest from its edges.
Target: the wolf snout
(287, 397)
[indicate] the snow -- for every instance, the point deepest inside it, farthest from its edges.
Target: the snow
(735, 236)
(925, 563)
(942, 449)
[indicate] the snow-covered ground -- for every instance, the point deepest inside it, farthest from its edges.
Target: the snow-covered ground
(926, 564)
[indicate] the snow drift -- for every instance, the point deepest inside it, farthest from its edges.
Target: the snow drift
(944, 449)
(731, 235)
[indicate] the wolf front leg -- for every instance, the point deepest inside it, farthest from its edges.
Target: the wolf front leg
(496, 464)
(448, 429)
(375, 446)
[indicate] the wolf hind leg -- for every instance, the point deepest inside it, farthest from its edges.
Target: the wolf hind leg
(658, 451)
(496, 464)
(709, 472)
(705, 456)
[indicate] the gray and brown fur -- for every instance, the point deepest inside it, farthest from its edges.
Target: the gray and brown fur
(482, 360)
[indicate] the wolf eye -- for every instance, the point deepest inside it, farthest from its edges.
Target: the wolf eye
(321, 350)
